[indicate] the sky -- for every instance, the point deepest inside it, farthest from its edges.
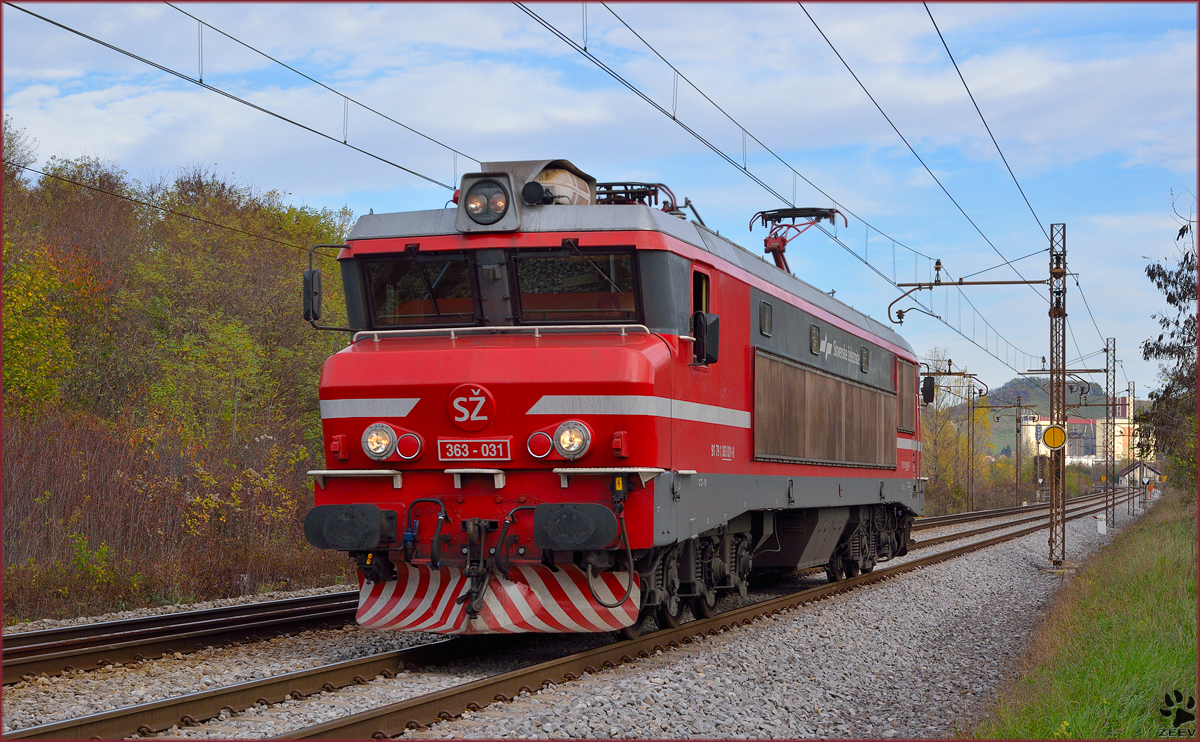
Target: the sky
(1093, 106)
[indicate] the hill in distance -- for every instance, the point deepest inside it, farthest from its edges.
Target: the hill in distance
(1031, 393)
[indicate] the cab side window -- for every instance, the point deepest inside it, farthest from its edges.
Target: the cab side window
(700, 303)
(699, 292)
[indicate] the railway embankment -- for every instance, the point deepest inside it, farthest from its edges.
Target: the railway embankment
(1115, 656)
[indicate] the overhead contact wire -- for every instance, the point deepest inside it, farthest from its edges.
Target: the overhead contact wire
(984, 120)
(759, 142)
(914, 151)
(929, 308)
(230, 96)
(634, 89)
(999, 151)
(323, 85)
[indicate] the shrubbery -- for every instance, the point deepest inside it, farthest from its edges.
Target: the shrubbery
(160, 395)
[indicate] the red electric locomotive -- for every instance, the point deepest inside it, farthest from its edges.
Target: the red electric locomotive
(567, 409)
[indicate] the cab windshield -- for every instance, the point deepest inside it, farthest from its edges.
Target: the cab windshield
(568, 286)
(418, 291)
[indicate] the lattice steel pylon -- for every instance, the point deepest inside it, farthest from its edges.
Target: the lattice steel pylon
(971, 447)
(1058, 389)
(1131, 438)
(1110, 434)
(1017, 452)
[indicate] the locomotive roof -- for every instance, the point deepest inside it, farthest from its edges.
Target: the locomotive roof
(631, 218)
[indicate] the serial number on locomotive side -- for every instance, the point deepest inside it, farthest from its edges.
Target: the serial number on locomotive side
(723, 452)
(483, 449)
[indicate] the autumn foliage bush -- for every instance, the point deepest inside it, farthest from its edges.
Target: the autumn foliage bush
(160, 388)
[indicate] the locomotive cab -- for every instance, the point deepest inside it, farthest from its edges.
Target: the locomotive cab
(537, 425)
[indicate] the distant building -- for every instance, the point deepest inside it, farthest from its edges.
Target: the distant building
(1132, 475)
(1085, 436)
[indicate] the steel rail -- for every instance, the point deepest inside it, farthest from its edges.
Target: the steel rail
(996, 527)
(937, 521)
(415, 713)
(157, 716)
(53, 651)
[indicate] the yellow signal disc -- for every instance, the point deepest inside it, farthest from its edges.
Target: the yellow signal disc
(1054, 437)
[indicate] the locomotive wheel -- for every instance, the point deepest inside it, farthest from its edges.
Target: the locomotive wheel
(670, 613)
(852, 568)
(743, 565)
(836, 569)
(639, 626)
(705, 606)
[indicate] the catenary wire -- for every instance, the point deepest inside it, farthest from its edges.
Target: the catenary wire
(933, 314)
(984, 120)
(1003, 158)
(636, 91)
(230, 96)
(756, 140)
(626, 83)
(168, 211)
(434, 181)
(323, 85)
(1089, 309)
(1001, 265)
(939, 183)
(975, 309)
(914, 152)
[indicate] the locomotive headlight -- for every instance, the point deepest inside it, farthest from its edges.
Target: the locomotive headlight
(487, 202)
(572, 439)
(379, 441)
(476, 204)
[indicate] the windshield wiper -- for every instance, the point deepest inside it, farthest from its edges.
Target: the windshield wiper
(425, 280)
(574, 245)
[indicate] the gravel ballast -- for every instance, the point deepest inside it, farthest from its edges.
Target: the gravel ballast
(897, 658)
(45, 700)
(918, 656)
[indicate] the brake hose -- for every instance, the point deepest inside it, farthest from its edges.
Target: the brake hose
(629, 556)
(502, 547)
(435, 551)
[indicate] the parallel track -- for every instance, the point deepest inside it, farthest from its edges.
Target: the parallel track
(392, 719)
(86, 646)
(938, 521)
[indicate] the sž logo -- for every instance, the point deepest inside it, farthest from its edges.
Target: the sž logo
(471, 407)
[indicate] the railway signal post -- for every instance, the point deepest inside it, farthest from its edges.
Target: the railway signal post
(971, 448)
(937, 281)
(1019, 416)
(1058, 388)
(1110, 434)
(972, 379)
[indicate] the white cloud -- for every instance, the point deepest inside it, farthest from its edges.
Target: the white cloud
(1098, 121)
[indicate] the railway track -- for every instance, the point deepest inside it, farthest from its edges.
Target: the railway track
(938, 521)
(86, 646)
(392, 719)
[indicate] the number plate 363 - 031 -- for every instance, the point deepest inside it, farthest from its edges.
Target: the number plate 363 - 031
(474, 449)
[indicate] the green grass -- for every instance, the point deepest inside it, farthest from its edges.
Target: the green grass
(1118, 638)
